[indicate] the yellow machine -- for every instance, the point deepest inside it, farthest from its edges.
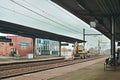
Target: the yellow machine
(79, 51)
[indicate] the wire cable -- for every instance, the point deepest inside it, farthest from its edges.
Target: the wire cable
(39, 14)
(25, 15)
(51, 16)
(69, 14)
(42, 11)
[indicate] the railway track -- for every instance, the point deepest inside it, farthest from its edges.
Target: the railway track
(26, 64)
(15, 69)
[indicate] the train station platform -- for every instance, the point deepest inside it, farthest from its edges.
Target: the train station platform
(9, 60)
(93, 72)
(90, 70)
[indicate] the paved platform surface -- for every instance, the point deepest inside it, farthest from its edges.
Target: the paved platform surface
(90, 70)
(93, 72)
(7, 60)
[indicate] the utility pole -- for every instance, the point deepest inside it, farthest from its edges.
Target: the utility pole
(99, 46)
(90, 35)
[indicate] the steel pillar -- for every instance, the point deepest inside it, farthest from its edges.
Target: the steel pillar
(113, 38)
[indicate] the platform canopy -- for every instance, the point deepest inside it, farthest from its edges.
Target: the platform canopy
(40, 19)
(99, 11)
(12, 28)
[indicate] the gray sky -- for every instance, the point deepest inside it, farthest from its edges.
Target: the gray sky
(45, 15)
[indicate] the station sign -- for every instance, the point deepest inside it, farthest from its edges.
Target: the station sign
(23, 43)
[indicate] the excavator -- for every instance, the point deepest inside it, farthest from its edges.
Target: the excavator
(79, 51)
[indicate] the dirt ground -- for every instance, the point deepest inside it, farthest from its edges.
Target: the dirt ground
(93, 72)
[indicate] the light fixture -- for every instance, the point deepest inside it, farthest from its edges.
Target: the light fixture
(93, 23)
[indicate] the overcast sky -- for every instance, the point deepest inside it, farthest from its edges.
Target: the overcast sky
(46, 15)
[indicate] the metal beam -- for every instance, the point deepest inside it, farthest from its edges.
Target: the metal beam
(83, 13)
(64, 44)
(92, 34)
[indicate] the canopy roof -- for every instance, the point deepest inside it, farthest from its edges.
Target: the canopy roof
(7, 27)
(100, 10)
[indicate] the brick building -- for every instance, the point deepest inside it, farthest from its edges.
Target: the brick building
(19, 46)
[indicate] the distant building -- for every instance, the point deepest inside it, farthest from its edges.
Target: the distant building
(46, 47)
(64, 49)
(19, 46)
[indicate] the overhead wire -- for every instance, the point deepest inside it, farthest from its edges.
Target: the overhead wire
(30, 10)
(51, 16)
(62, 10)
(38, 13)
(26, 15)
(69, 14)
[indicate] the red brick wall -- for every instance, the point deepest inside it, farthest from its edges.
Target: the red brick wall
(5, 48)
(23, 50)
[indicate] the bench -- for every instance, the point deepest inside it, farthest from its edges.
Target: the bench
(109, 63)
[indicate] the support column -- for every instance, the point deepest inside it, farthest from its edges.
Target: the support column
(33, 51)
(59, 48)
(113, 38)
(84, 37)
